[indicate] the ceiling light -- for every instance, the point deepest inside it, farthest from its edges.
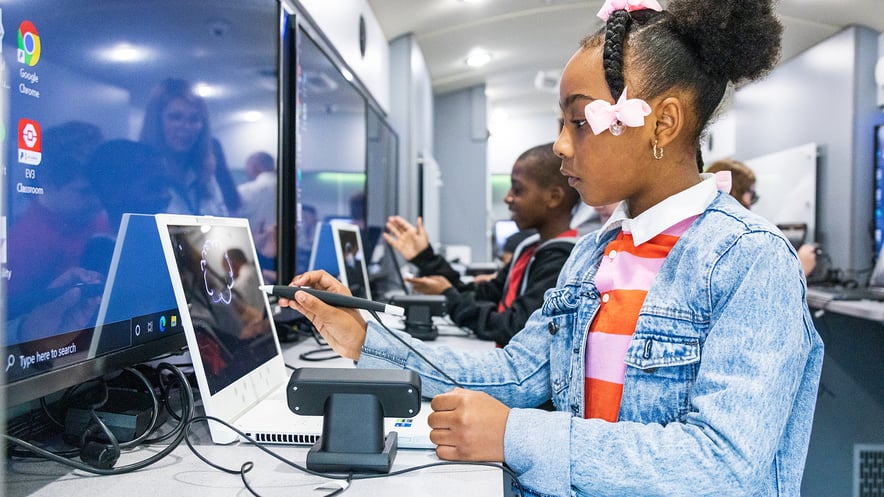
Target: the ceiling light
(478, 58)
(124, 52)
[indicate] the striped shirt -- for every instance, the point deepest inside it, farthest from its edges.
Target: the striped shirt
(627, 271)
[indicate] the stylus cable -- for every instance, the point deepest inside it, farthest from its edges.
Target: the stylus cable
(249, 465)
(408, 345)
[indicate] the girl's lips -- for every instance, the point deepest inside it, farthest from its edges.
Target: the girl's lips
(573, 181)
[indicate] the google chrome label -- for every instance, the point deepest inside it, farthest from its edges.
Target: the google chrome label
(28, 44)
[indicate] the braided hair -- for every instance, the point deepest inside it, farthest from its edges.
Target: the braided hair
(699, 46)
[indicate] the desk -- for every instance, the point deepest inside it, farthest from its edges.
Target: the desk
(181, 473)
(822, 299)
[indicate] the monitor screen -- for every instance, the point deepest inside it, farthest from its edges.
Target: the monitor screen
(225, 307)
(123, 106)
(503, 229)
(879, 188)
(352, 265)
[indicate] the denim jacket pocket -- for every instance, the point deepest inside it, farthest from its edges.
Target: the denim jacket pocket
(660, 372)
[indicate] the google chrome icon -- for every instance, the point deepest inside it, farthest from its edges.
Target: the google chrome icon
(28, 44)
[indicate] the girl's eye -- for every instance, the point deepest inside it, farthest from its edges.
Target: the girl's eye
(579, 123)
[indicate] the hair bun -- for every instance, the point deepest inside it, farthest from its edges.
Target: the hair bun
(735, 39)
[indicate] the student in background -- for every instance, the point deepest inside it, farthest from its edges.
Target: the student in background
(743, 189)
(245, 278)
(258, 205)
(258, 194)
(538, 199)
(677, 345)
(53, 230)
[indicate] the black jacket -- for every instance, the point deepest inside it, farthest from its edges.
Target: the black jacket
(475, 305)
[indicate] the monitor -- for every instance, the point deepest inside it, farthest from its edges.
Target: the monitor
(879, 188)
(503, 229)
(352, 265)
(114, 107)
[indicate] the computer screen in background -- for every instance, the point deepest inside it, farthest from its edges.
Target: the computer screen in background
(352, 265)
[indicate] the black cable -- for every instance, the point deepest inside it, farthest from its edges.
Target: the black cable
(309, 355)
(403, 342)
(155, 409)
(330, 476)
(187, 415)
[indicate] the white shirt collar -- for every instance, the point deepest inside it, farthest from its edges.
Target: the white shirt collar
(672, 210)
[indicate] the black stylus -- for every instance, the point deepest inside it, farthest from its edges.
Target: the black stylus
(334, 299)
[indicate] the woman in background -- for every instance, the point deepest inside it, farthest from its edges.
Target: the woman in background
(743, 189)
(176, 122)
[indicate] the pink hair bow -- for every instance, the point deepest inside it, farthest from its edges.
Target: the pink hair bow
(601, 115)
(628, 5)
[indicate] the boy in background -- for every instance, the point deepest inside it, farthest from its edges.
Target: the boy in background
(540, 199)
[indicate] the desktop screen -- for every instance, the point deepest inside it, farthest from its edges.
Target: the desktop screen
(879, 188)
(113, 107)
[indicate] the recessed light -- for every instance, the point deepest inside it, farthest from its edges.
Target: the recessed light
(478, 58)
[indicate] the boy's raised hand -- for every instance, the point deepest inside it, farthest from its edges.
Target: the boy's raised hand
(407, 239)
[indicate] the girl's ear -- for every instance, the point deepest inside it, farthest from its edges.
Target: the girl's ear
(670, 118)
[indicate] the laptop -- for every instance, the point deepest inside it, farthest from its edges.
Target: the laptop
(237, 359)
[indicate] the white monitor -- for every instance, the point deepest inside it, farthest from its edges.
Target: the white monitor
(353, 270)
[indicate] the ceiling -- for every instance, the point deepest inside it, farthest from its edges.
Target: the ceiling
(528, 36)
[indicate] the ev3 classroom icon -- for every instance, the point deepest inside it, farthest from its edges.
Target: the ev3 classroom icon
(28, 44)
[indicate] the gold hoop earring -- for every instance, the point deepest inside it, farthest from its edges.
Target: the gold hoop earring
(658, 152)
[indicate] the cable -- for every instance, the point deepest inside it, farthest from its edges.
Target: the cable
(331, 476)
(403, 342)
(180, 429)
(309, 355)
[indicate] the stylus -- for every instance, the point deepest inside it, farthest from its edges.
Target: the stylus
(334, 299)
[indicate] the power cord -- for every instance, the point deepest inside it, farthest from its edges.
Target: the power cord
(249, 465)
(179, 430)
(313, 355)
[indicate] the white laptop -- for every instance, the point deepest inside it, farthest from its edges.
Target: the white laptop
(235, 351)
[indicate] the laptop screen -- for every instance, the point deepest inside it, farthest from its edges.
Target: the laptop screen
(220, 279)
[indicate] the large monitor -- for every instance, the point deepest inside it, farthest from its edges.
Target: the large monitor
(124, 106)
(879, 189)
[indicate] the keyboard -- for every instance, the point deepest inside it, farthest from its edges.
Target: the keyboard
(863, 293)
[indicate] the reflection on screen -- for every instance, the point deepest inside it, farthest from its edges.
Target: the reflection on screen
(226, 307)
(124, 107)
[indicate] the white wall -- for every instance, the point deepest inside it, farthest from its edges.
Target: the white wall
(513, 135)
(339, 22)
(411, 115)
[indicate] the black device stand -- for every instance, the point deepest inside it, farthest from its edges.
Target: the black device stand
(419, 312)
(352, 438)
(419, 322)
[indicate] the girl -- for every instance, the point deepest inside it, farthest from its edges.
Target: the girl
(677, 346)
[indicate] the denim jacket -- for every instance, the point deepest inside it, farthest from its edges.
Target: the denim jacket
(721, 380)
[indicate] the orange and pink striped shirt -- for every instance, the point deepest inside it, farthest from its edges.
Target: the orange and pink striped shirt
(623, 279)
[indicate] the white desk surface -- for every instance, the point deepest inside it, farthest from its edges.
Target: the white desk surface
(820, 298)
(182, 474)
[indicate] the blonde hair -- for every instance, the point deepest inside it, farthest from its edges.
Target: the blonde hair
(742, 178)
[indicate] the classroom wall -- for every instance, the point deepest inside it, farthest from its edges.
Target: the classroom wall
(411, 115)
(461, 151)
(825, 95)
(340, 23)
